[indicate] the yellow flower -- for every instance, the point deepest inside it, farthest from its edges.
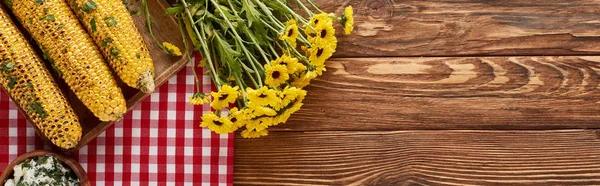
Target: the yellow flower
(251, 133)
(199, 99)
(288, 95)
(260, 124)
(276, 75)
(319, 54)
(319, 69)
(263, 96)
(290, 62)
(304, 79)
(171, 49)
(237, 118)
(324, 36)
(290, 109)
(255, 111)
(291, 32)
(348, 20)
(226, 95)
(317, 20)
(219, 125)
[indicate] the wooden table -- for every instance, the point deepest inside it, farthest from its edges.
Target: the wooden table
(446, 93)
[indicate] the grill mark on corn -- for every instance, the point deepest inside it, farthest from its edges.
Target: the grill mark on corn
(67, 45)
(33, 88)
(119, 40)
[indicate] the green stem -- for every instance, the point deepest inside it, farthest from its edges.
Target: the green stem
(314, 6)
(273, 50)
(310, 13)
(149, 24)
(298, 17)
(187, 53)
(239, 82)
(203, 43)
(216, 4)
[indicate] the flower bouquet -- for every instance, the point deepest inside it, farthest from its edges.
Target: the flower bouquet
(260, 55)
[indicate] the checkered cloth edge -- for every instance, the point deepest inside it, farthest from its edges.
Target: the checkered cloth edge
(158, 143)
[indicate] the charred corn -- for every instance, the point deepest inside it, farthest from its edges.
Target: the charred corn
(71, 51)
(113, 30)
(26, 79)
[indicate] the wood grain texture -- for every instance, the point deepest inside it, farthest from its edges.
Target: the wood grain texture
(453, 93)
(556, 157)
(470, 27)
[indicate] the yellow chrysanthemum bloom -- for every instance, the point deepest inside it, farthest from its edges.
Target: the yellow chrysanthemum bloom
(276, 75)
(226, 95)
(251, 133)
(304, 79)
(237, 117)
(319, 54)
(263, 96)
(219, 125)
(348, 20)
(291, 32)
(319, 69)
(260, 124)
(199, 99)
(324, 36)
(288, 95)
(171, 49)
(255, 111)
(290, 62)
(317, 20)
(290, 109)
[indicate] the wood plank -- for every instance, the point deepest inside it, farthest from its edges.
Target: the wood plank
(470, 27)
(563, 157)
(453, 93)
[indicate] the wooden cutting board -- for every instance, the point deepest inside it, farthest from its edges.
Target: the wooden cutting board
(165, 29)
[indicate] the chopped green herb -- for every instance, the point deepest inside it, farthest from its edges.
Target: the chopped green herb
(134, 11)
(110, 21)
(114, 52)
(39, 2)
(49, 17)
(30, 85)
(30, 20)
(93, 24)
(89, 6)
(10, 65)
(12, 81)
(106, 42)
(8, 3)
(138, 56)
(61, 25)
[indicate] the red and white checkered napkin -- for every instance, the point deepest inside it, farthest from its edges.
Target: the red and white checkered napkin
(158, 143)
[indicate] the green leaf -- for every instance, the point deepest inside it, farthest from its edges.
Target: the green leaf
(252, 14)
(174, 10)
(39, 2)
(93, 25)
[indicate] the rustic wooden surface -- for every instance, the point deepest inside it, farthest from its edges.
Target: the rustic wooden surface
(439, 92)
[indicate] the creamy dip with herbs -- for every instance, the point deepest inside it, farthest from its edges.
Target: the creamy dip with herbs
(42, 170)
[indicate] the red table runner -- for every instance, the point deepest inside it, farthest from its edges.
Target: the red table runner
(158, 143)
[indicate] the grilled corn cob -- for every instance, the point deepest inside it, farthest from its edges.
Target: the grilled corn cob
(113, 30)
(71, 51)
(26, 80)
